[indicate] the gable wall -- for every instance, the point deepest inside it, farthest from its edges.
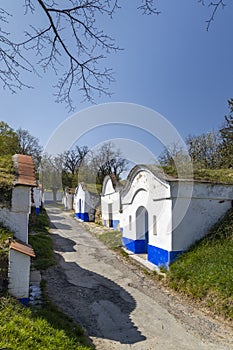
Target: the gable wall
(16, 218)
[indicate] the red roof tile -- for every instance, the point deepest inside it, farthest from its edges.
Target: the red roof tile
(23, 248)
(25, 171)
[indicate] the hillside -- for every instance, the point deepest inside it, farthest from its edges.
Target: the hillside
(205, 272)
(202, 174)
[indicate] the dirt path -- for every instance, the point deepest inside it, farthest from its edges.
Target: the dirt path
(118, 305)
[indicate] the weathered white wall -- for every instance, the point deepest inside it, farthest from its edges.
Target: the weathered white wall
(208, 204)
(67, 201)
(37, 197)
(21, 199)
(19, 272)
(91, 202)
(48, 196)
(16, 218)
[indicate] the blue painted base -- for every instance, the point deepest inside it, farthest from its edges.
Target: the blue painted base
(82, 216)
(161, 257)
(24, 301)
(157, 256)
(136, 246)
(114, 224)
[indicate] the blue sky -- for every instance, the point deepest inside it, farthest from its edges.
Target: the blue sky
(170, 63)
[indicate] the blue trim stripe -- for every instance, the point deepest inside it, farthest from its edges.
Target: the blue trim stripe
(24, 301)
(115, 224)
(37, 211)
(157, 256)
(136, 246)
(82, 216)
(161, 257)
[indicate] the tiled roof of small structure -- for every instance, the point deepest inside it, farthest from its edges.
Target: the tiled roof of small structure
(24, 170)
(23, 248)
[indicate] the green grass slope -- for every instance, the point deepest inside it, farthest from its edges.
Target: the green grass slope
(21, 328)
(205, 272)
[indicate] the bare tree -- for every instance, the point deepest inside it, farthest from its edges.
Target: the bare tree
(73, 159)
(51, 174)
(226, 132)
(204, 150)
(28, 144)
(107, 160)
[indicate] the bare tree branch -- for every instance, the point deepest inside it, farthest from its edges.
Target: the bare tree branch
(70, 44)
(214, 8)
(148, 7)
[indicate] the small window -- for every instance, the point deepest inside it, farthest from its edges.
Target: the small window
(154, 225)
(130, 222)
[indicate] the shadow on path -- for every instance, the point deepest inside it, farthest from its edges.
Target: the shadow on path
(99, 304)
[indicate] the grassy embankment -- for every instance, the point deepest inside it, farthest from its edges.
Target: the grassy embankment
(33, 328)
(205, 272)
(201, 174)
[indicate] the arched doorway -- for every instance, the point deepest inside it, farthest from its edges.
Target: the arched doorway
(142, 228)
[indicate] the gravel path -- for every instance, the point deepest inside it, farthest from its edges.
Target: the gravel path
(118, 305)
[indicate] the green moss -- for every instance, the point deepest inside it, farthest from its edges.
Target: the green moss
(5, 236)
(6, 178)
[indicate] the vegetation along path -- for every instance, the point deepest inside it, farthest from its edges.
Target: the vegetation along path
(118, 305)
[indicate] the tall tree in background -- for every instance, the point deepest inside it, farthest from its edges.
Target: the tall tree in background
(51, 174)
(29, 145)
(107, 160)
(227, 138)
(204, 150)
(72, 160)
(77, 62)
(8, 140)
(175, 160)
